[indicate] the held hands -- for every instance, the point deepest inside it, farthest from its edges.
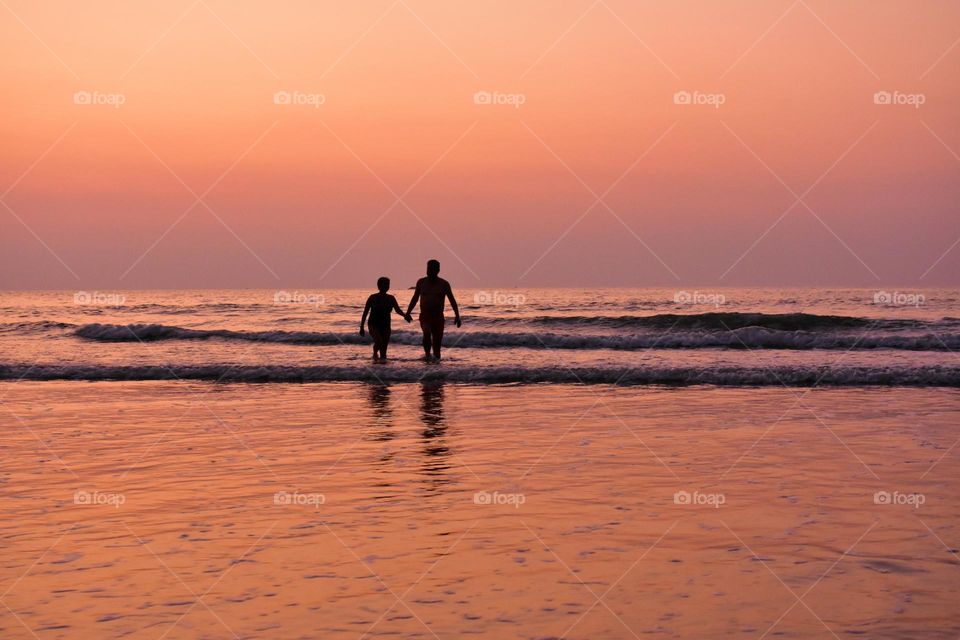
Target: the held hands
(408, 317)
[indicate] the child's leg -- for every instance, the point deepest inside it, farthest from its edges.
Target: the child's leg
(385, 342)
(377, 340)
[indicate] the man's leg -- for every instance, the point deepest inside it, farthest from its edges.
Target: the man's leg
(425, 327)
(437, 336)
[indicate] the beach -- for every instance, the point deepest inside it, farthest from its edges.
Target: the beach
(614, 464)
(347, 510)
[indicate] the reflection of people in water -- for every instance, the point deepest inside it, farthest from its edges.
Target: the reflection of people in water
(435, 431)
(381, 415)
(435, 463)
(431, 404)
(380, 407)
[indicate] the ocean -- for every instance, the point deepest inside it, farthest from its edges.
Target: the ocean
(725, 337)
(582, 464)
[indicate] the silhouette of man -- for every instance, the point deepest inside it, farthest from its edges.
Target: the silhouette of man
(431, 292)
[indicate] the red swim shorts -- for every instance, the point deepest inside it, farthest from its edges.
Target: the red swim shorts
(432, 323)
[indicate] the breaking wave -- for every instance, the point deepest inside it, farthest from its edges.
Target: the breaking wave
(798, 376)
(745, 337)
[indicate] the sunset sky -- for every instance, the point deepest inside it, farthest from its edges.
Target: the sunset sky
(788, 173)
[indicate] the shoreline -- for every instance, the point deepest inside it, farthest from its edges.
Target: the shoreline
(935, 376)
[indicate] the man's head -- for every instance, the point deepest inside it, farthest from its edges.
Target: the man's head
(383, 284)
(433, 268)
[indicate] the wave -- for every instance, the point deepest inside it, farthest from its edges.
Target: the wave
(797, 376)
(34, 326)
(750, 337)
(216, 307)
(719, 321)
(731, 320)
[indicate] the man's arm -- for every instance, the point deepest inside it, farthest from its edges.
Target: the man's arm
(414, 299)
(453, 305)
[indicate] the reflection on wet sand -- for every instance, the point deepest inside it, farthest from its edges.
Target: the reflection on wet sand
(381, 429)
(435, 447)
(381, 412)
(433, 436)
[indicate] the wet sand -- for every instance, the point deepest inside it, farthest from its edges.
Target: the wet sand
(182, 510)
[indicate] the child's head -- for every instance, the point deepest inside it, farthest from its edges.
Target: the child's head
(383, 284)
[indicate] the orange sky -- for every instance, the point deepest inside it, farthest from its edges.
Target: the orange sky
(99, 195)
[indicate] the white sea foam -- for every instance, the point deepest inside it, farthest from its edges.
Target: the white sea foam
(931, 376)
(742, 338)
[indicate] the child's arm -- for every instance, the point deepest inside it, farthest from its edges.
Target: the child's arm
(396, 307)
(363, 318)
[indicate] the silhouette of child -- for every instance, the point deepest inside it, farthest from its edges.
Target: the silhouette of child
(379, 305)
